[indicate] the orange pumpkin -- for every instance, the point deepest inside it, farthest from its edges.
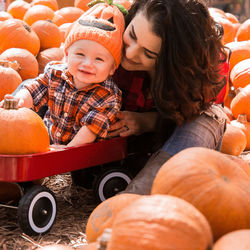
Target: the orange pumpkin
(22, 131)
(234, 140)
(161, 222)
(18, 8)
(49, 3)
(240, 74)
(243, 33)
(82, 4)
(240, 51)
(239, 239)
(243, 124)
(38, 12)
(64, 29)
(48, 33)
(67, 15)
(28, 65)
(103, 215)
(10, 80)
(48, 55)
(5, 16)
(231, 17)
(241, 163)
(241, 102)
(214, 183)
(125, 3)
(15, 33)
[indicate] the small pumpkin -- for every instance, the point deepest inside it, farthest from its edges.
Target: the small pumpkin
(241, 102)
(18, 8)
(103, 215)
(28, 65)
(48, 33)
(67, 15)
(49, 3)
(22, 131)
(213, 182)
(161, 222)
(243, 33)
(234, 140)
(15, 33)
(10, 80)
(48, 55)
(239, 239)
(38, 12)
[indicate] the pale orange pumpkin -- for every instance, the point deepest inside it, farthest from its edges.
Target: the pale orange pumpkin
(67, 15)
(5, 16)
(64, 29)
(48, 55)
(48, 33)
(214, 183)
(243, 33)
(103, 215)
(231, 17)
(236, 240)
(28, 65)
(18, 8)
(234, 140)
(49, 3)
(10, 80)
(240, 74)
(241, 102)
(161, 222)
(22, 131)
(15, 33)
(38, 12)
(82, 4)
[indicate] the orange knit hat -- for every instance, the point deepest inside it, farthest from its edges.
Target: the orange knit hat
(102, 23)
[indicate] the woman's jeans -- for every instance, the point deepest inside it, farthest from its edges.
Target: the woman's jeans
(205, 131)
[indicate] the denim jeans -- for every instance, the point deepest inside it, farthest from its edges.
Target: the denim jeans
(205, 131)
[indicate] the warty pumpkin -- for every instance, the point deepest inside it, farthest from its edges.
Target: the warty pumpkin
(161, 222)
(28, 65)
(236, 240)
(214, 183)
(22, 131)
(103, 215)
(15, 33)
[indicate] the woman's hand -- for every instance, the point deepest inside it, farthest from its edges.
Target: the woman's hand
(133, 123)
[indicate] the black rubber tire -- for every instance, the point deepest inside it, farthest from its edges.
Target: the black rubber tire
(37, 211)
(110, 182)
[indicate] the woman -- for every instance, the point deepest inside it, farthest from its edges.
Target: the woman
(170, 76)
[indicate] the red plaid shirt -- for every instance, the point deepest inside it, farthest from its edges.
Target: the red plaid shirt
(69, 108)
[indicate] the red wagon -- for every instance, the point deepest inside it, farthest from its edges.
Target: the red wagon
(36, 210)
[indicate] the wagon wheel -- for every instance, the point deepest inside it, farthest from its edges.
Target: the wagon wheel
(110, 182)
(37, 210)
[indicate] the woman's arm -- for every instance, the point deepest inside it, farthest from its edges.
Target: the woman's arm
(133, 123)
(84, 135)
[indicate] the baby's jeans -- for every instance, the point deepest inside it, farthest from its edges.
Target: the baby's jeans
(205, 131)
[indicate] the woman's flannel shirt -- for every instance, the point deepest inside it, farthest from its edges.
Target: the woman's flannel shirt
(69, 108)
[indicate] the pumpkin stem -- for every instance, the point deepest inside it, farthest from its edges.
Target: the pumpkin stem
(242, 118)
(225, 178)
(10, 103)
(27, 27)
(104, 239)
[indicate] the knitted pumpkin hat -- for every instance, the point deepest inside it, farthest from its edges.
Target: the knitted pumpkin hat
(102, 23)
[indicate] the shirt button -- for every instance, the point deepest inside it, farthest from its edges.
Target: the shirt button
(58, 134)
(65, 115)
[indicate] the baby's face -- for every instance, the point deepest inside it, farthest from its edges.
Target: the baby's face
(89, 62)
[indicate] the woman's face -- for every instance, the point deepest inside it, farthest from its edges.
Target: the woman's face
(141, 45)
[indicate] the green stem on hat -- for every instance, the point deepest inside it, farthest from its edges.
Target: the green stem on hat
(110, 2)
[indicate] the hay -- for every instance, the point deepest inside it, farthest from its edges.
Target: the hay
(74, 205)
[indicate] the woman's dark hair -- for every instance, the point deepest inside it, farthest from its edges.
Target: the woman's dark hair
(187, 71)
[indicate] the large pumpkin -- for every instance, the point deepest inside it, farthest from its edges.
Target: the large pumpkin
(214, 183)
(241, 103)
(18, 8)
(10, 80)
(28, 65)
(236, 240)
(15, 33)
(243, 33)
(22, 131)
(160, 222)
(103, 215)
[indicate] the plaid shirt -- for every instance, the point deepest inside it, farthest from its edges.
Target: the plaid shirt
(69, 109)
